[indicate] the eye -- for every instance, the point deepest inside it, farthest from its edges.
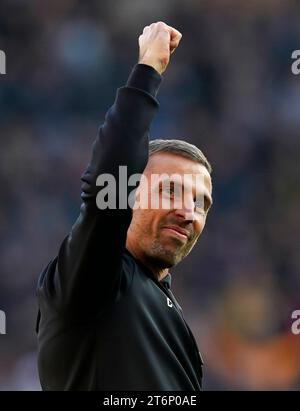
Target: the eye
(199, 209)
(170, 189)
(202, 204)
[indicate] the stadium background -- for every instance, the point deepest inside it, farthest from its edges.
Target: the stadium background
(230, 90)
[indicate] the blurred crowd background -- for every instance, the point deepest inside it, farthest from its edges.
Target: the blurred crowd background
(230, 90)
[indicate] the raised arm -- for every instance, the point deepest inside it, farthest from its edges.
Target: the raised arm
(86, 274)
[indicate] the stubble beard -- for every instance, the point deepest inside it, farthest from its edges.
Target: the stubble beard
(164, 257)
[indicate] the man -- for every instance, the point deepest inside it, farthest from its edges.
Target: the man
(107, 317)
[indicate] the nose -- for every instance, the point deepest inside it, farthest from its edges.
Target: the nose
(186, 210)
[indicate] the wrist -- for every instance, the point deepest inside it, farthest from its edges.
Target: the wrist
(156, 66)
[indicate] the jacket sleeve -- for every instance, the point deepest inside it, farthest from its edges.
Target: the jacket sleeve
(87, 272)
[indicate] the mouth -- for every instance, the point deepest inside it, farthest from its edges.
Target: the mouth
(177, 231)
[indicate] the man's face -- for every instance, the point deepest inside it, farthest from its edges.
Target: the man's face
(174, 198)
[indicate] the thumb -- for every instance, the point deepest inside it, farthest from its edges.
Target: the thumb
(175, 37)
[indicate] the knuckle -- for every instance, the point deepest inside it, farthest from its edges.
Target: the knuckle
(161, 25)
(164, 60)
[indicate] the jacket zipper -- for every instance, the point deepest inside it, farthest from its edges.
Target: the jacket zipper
(179, 310)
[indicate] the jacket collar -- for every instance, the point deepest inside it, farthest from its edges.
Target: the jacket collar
(166, 281)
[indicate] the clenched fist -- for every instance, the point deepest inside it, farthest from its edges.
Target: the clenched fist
(156, 44)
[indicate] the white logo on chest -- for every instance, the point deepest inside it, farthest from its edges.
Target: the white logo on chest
(169, 302)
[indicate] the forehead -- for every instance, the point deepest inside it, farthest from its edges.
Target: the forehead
(170, 163)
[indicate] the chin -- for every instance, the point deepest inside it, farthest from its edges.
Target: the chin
(165, 258)
(165, 254)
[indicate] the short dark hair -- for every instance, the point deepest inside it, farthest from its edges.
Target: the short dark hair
(181, 148)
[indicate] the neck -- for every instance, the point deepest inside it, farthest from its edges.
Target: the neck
(158, 273)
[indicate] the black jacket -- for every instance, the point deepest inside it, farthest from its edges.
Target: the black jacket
(104, 322)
